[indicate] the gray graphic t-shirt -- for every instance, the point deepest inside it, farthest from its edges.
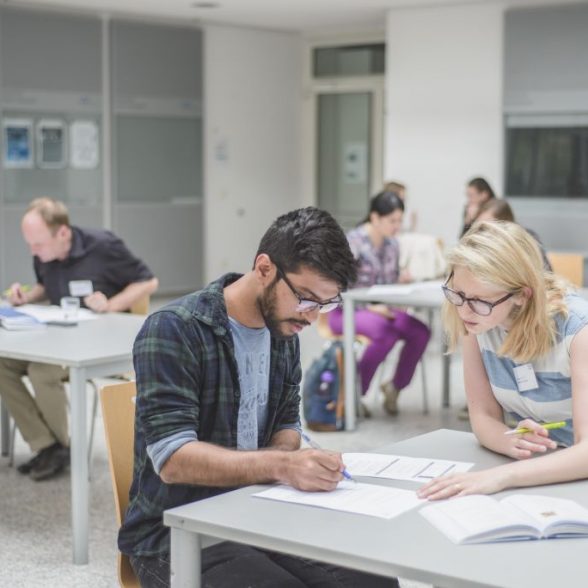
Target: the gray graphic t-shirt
(252, 351)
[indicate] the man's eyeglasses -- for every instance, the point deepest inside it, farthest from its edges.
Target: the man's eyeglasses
(306, 305)
(481, 307)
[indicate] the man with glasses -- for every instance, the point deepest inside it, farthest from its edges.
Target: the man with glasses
(218, 379)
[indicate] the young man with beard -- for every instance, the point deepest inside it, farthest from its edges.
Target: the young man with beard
(218, 378)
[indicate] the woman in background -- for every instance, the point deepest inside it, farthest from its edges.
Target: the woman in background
(478, 192)
(525, 356)
(499, 209)
(410, 219)
(373, 244)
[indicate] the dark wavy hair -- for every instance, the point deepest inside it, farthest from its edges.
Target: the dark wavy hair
(384, 203)
(310, 237)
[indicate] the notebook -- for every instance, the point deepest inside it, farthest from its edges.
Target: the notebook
(14, 320)
(483, 519)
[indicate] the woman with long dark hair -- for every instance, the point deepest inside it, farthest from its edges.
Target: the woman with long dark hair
(374, 246)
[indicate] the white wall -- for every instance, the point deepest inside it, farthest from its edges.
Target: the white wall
(444, 107)
(252, 113)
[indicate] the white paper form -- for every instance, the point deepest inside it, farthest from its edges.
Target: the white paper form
(366, 499)
(47, 314)
(398, 467)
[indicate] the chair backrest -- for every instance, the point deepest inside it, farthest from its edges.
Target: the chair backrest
(568, 265)
(118, 412)
(141, 306)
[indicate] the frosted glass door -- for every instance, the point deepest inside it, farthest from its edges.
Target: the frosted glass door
(344, 154)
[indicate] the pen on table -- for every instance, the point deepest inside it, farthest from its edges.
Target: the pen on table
(315, 445)
(557, 425)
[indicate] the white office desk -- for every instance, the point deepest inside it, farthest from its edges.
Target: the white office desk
(406, 546)
(95, 348)
(425, 295)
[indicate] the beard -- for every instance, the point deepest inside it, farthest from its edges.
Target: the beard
(267, 304)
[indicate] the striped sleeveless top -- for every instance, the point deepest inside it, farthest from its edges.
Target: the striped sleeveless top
(552, 399)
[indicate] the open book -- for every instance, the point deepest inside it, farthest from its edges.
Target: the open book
(482, 519)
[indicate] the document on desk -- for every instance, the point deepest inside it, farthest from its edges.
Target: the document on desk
(399, 467)
(365, 499)
(48, 314)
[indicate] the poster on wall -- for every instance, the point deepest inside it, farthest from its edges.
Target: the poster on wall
(51, 146)
(18, 144)
(84, 144)
(355, 163)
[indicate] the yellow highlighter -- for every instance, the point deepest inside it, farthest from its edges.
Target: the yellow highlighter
(558, 425)
(23, 288)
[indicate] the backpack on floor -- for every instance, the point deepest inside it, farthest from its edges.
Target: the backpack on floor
(323, 391)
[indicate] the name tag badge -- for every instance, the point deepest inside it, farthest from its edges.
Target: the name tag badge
(525, 377)
(80, 288)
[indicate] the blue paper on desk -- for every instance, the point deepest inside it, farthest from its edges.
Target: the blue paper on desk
(14, 320)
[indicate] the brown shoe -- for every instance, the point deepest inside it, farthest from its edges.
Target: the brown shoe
(390, 398)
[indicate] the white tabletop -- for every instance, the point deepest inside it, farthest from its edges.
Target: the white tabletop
(406, 546)
(106, 340)
(94, 348)
(419, 294)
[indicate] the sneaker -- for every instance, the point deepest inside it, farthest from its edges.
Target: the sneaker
(27, 466)
(52, 461)
(390, 398)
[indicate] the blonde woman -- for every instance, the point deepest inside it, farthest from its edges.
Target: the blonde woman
(525, 355)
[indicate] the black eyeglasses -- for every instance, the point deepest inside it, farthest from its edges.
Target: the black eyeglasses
(306, 305)
(481, 307)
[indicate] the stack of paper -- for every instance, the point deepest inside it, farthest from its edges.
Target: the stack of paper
(14, 320)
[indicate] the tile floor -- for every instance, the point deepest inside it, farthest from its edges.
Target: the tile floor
(35, 536)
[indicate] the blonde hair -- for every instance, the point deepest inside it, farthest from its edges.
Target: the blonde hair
(503, 254)
(53, 212)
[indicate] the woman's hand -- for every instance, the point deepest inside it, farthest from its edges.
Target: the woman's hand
(484, 482)
(524, 445)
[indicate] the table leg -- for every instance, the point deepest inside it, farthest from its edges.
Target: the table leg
(4, 429)
(446, 361)
(348, 338)
(79, 466)
(185, 570)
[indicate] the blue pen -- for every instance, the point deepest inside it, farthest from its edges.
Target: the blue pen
(315, 445)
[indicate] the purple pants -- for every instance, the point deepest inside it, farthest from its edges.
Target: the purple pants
(384, 333)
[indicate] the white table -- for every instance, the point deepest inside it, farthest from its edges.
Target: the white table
(95, 348)
(406, 546)
(419, 295)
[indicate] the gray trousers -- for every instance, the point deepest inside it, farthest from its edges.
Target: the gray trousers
(42, 418)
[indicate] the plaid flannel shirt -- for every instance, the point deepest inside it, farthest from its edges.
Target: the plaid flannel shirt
(187, 379)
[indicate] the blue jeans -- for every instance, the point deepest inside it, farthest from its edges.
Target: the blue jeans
(231, 565)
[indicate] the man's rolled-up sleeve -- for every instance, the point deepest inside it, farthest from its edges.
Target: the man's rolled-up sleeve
(168, 378)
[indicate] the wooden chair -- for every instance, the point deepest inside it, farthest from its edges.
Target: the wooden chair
(141, 307)
(568, 265)
(118, 413)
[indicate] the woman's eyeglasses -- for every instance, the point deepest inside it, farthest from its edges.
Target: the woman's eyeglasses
(306, 305)
(481, 307)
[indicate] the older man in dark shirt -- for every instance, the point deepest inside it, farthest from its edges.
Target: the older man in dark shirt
(68, 261)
